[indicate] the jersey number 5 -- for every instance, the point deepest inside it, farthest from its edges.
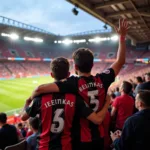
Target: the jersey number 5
(57, 119)
(92, 95)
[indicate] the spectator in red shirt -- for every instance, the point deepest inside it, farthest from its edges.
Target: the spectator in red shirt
(123, 105)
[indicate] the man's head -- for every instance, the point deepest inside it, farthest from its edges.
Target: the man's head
(3, 119)
(112, 96)
(126, 87)
(142, 99)
(20, 126)
(147, 77)
(59, 68)
(34, 124)
(117, 89)
(83, 59)
(139, 80)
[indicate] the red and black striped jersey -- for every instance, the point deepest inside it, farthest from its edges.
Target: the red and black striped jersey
(93, 89)
(57, 113)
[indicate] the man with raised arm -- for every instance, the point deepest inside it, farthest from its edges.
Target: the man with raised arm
(92, 88)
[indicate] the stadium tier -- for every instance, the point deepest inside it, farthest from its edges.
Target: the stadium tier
(104, 52)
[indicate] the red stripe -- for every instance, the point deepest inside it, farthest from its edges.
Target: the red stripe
(46, 116)
(69, 115)
(101, 95)
(84, 93)
(84, 123)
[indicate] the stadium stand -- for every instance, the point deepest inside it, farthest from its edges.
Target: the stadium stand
(104, 52)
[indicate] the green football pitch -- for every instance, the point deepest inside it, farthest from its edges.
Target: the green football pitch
(13, 93)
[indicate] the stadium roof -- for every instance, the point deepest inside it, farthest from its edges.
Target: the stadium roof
(8, 25)
(137, 12)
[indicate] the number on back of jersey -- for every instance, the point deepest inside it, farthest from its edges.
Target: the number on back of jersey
(92, 95)
(58, 122)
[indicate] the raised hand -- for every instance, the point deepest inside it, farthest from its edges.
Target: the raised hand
(123, 27)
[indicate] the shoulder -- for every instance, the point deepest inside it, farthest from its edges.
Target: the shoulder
(73, 78)
(107, 72)
(134, 118)
(29, 139)
(117, 99)
(37, 99)
(144, 85)
(12, 127)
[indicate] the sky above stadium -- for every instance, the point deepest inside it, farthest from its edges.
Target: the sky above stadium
(52, 15)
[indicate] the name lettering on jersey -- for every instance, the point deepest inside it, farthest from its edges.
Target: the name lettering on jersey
(59, 101)
(89, 85)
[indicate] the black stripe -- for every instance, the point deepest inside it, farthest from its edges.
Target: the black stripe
(55, 138)
(75, 131)
(40, 122)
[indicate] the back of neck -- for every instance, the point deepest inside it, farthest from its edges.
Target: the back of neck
(84, 74)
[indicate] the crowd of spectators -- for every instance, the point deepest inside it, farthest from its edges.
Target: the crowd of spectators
(121, 118)
(25, 69)
(118, 125)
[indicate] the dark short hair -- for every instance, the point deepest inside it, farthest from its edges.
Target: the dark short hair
(147, 74)
(34, 123)
(117, 89)
(20, 125)
(127, 87)
(139, 79)
(112, 95)
(60, 68)
(144, 96)
(3, 117)
(83, 59)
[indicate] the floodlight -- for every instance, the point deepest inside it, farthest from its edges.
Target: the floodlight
(114, 38)
(108, 38)
(97, 39)
(67, 41)
(55, 41)
(33, 39)
(91, 40)
(37, 40)
(14, 36)
(26, 38)
(4, 34)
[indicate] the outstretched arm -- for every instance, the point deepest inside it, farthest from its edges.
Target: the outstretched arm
(120, 60)
(45, 88)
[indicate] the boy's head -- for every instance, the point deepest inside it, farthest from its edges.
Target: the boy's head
(20, 125)
(139, 79)
(83, 59)
(34, 123)
(3, 118)
(59, 68)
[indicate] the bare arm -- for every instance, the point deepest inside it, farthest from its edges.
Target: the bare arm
(45, 88)
(113, 112)
(120, 60)
(97, 118)
(24, 116)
